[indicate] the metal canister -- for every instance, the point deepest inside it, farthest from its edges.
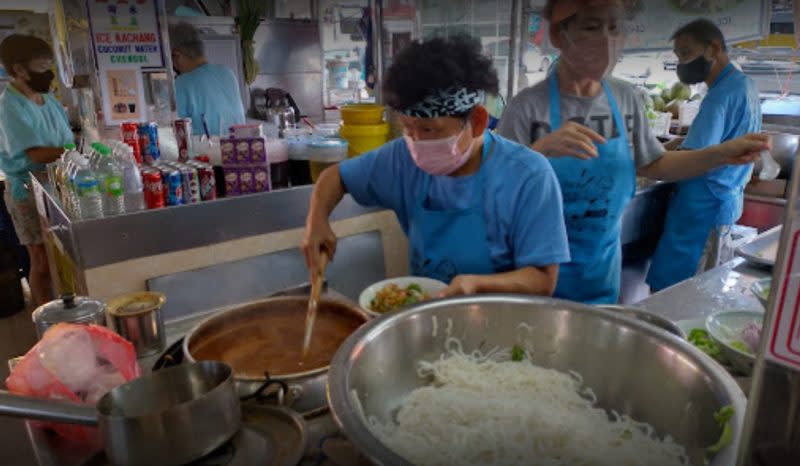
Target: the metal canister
(191, 184)
(137, 318)
(153, 188)
(183, 135)
(208, 185)
(70, 309)
(174, 184)
(148, 142)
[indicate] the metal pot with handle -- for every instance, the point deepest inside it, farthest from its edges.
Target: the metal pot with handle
(170, 417)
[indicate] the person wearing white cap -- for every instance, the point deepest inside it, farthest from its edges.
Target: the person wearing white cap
(593, 131)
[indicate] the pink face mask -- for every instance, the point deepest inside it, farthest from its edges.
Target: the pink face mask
(593, 57)
(439, 157)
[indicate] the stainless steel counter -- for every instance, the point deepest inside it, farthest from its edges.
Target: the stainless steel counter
(726, 287)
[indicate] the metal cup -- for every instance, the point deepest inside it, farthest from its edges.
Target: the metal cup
(137, 318)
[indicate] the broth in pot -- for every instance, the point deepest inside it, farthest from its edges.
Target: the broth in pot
(268, 337)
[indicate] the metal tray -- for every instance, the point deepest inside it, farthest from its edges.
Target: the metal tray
(763, 249)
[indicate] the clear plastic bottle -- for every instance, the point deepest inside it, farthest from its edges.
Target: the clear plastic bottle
(131, 177)
(109, 175)
(87, 190)
(69, 198)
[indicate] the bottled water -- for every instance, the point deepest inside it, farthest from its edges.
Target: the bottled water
(65, 181)
(131, 177)
(87, 191)
(109, 175)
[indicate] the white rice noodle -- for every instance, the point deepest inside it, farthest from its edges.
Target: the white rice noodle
(484, 409)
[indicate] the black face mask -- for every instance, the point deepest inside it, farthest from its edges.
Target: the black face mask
(695, 71)
(40, 82)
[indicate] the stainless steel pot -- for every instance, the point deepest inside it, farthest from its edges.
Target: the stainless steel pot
(305, 391)
(69, 309)
(648, 317)
(632, 367)
(170, 417)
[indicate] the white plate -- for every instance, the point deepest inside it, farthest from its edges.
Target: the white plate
(428, 285)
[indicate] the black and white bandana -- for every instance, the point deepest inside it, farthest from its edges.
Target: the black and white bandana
(448, 102)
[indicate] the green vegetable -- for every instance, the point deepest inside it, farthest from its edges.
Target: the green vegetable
(741, 346)
(700, 338)
(723, 417)
(414, 287)
(680, 91)
(627, 434)
(517, 353)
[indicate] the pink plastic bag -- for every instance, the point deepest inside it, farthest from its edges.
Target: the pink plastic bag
(78, 363)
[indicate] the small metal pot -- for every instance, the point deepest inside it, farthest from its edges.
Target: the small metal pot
(69, 309)
(170, 417)
(137, 318)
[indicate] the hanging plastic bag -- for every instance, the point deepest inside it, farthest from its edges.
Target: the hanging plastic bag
(78, 363)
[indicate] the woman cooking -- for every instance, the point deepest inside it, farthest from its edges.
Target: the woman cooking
(594, 133)
(482, 213)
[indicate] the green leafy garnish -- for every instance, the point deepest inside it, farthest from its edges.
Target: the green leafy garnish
(700, 338)
(741, 346)
(517, 353)
(414, 287)
(627, 434)
(723, 417)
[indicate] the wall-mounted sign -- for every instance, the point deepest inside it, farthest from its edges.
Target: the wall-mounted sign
(656, 20)
(125, 33)
(123, 95)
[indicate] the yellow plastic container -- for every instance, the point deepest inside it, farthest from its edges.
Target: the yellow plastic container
(364, 138)
(362, 114)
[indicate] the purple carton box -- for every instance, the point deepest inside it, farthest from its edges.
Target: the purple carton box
(258, 151)
(262, 179)
(242, 150)
(247, 180)
(227, 149)
(232, 187)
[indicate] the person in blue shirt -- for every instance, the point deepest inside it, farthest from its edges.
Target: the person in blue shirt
(703, 209)
(33, 131)
(202, 89)
(481, 213)
(594, 133)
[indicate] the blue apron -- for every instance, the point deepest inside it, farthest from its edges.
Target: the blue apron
(697, 207)
(691, 216)
(595, 195)
(446, 243)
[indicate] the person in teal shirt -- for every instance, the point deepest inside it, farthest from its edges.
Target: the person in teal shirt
(33, 131)
(203, 89)
(703, 209)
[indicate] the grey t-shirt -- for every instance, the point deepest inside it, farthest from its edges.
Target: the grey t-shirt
(527, 117)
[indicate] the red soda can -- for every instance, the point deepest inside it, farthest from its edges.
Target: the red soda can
(203, 158)
(148, 142)
(153, 189)
(191, 184)
(130, 136)
(183, 135)
(208, 185)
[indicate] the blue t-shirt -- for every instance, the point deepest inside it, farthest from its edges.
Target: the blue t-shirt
(23, 125)
(521, 200)
(730, 109)
(211, 90)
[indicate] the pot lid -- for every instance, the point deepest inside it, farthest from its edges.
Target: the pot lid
(68, 308)
(283, 430)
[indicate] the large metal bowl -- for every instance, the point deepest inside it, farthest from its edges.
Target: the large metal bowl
(633, 367)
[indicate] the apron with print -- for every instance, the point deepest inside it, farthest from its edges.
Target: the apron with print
(595, 193)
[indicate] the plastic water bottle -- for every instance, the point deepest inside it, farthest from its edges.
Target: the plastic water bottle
(131, 177)
(87, 190)
(69, 162)
(111, 184)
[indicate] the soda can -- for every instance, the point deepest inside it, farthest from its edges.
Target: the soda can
(130, 136)
(183, 135)
(165, 171)
(208, 185)
(203, 158)
(191, 184)
(174, 187)
(148, 142)
(153, 188)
